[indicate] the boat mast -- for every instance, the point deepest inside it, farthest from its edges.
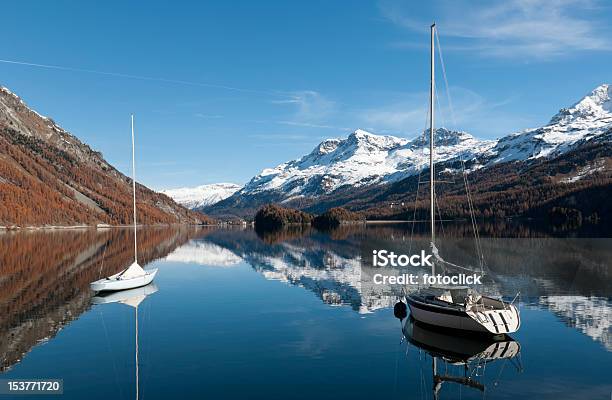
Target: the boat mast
(134, 192)
(431, 142)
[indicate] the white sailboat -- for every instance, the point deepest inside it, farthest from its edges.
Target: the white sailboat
(133, 276)
(456, 307)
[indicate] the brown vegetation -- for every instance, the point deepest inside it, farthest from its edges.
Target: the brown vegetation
(511, 190)
(49, 177)
(46, 276)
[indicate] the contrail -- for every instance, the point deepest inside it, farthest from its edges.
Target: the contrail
(146, 78)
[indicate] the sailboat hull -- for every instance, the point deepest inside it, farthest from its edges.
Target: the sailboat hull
(442, 317)
(113, 284)
(494, 322)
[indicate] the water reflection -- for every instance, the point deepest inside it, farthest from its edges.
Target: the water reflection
(462, 360)
(133, 298)
(570, 277)
(206, 253)
(130, 297)
(590, 315)
(44, 277)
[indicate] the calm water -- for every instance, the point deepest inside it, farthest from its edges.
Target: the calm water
(291, 315)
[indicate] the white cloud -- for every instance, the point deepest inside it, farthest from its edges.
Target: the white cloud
(396, 117)
(524, 29)
(310, 106)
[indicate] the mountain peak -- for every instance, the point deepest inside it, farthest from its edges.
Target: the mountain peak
(595, 105)
(360, 133)
(599, 97)
(357, 142)
(362, 138)
(202, 196)
(442, 137)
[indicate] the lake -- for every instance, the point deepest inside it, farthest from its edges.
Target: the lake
(234, 314)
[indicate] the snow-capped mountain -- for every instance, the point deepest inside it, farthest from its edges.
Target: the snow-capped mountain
(202, 196)
(585, 120)
(364, 159)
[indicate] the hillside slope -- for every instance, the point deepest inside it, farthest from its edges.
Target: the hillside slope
(49, 177)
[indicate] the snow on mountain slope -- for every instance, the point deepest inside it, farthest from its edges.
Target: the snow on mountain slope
(585, 120)
(202, 196)
(362, 159)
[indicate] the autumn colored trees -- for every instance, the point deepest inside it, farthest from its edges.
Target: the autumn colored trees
(43, 185)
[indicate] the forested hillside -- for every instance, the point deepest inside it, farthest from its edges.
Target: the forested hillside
(49, 177)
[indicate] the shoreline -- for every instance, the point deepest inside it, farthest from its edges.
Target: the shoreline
(84, 227)
(402, 221)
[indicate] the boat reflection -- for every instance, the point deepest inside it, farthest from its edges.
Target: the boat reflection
(45, 275)
(457, 358)
(132, 298)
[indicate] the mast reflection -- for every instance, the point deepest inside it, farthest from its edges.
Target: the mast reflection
(457, 358)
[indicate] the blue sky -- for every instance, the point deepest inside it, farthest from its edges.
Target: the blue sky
(222, 90)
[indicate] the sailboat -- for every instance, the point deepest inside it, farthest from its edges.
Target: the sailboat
(132, 298)
(133, 276)
(456, 307)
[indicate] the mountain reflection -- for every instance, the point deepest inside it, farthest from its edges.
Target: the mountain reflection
(569, 277)
(202, 252)
(45, 276)
(590, 315)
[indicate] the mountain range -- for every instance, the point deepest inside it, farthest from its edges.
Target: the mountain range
(560, 170)
(49, 177)
(369, 172)
(202, 196)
